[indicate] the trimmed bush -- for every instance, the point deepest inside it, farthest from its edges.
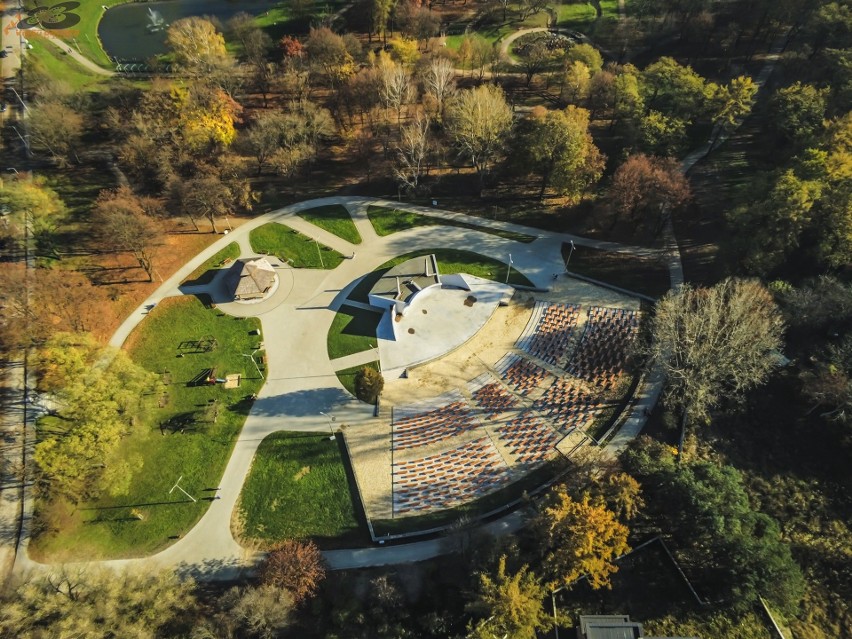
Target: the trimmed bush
(369, 384)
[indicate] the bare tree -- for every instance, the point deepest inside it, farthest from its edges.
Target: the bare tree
(411, 152)
(396, 88)
(123, 225)
(56, 128)
(715, 343)
(439, 81)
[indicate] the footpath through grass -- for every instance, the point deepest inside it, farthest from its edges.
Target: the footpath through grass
(291, 246)
(46, 59)
(335, 219)
(647, 275)
(84, 34)
(449, 261)
(386, 221)
(353, 330)
(298, 487)
(204, 274)
(180, 439)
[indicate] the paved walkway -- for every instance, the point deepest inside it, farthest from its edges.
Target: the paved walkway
(300, 388)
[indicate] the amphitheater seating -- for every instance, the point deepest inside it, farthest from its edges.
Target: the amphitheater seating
(490, 396)
(520, 374)
(602, 353)
(448, 479)
(528, 438)
(549, 331)
(567, 405)
(427, 423)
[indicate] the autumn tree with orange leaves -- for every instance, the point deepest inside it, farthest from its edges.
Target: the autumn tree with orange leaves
(296, 566)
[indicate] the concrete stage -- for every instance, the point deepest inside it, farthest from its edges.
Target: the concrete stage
(437, 322)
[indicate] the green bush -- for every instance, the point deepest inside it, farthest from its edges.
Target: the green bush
(368, 385)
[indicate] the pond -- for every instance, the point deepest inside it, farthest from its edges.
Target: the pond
(137, 30)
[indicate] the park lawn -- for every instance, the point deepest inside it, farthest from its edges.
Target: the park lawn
(449, 261)
(640, 274)
(178, 440)
(50, 61)
(346, 376)
(204, 274)
(387, 220)
(298, 488)
(495, 31)
(581, 15)
(291, 246)
(352, 331)
(84, 34)
(335, 219)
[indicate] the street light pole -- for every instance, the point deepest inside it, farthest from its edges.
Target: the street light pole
(570, 253)
(331, 420)
(509, 268)
(378, 356)
(177, 485)
(319, 253)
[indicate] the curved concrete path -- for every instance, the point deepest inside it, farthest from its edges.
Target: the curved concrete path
(298, 388)
(295, 321)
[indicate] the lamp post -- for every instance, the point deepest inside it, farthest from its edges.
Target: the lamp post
(509, 268)
(331, 420)
(319, 253)
(177, 485)
(251, 357)
(570, 253)
(378, 356)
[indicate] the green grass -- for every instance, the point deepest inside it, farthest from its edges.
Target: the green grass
(346, 376)
(494, 29)
(352, 331)
(291, 246)
(646, 275)
(51, 62)
(581, 15)
(84, 34)
(204, 274)
(449, 261)
(513, 491)
(297, 488)
(105, 528)
(386, 221)
(335, 219)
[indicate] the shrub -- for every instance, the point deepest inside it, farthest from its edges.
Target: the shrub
(368, 385)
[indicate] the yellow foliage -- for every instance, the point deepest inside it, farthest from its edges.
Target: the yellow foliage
(581, 538)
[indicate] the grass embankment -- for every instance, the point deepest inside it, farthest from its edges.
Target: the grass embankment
(647, 275)
(477, 508)
(449, 261)
(335, 219)
(297, 488)
(353, 330)
(48, 60)
(386, 221)
(179, 439)
(205, 273)
(346, 376)
(291, 246)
